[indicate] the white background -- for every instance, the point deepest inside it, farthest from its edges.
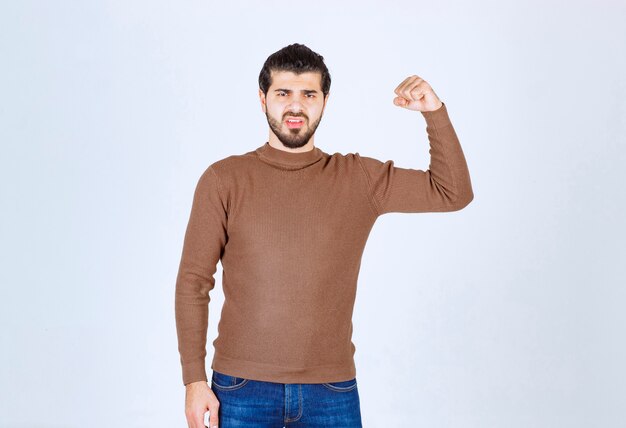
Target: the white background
(509, 313)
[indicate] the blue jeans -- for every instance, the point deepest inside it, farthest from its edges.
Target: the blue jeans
(255, 404)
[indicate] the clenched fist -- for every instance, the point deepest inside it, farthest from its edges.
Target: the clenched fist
(414, 93)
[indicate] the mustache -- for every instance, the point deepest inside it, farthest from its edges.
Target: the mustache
(294, 115)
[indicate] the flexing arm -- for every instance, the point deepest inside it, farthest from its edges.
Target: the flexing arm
(445, 186)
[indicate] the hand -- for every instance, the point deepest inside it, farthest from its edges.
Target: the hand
(198, 399)
(414, 93)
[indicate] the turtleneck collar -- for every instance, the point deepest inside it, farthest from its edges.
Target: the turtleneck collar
(288, 160)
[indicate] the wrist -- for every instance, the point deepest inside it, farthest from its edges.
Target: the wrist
(200, 383)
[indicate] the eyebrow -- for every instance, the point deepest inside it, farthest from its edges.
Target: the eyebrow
(306, 91)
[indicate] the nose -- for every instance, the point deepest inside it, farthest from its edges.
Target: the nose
(295, 105)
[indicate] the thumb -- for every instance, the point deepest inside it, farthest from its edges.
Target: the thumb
(399, 101)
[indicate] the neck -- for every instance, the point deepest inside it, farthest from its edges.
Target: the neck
(289, 158)
(277, 144)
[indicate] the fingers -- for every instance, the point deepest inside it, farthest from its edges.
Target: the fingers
(199, 420)
(214, 409)
(403, 90)
(412, 88)
(195, 420)
(199, 399)
(192, 419)
(404, 83)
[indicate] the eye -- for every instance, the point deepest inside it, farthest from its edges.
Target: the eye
(310, 95)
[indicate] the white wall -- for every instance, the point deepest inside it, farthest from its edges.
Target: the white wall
(508, 313)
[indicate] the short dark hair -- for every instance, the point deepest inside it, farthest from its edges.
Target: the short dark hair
(296, 58)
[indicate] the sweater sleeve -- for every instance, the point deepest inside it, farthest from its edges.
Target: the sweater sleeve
(445, 186)
(205, 238)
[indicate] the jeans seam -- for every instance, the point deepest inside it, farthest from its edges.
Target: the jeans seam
(339, 389)
(229, 388)
(300, 406)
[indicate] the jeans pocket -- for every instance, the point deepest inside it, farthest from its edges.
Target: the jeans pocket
(227, 382)
(342, 386)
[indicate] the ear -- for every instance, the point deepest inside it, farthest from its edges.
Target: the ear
(262, 98)
(325, 101)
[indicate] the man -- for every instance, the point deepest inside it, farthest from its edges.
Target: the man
(289, 223)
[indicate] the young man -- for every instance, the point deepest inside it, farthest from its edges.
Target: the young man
(289, 223)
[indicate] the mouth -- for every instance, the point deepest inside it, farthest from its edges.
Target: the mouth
(294, 122)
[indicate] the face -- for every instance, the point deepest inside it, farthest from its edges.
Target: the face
(298, 97)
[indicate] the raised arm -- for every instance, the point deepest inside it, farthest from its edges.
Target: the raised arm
(445, 186)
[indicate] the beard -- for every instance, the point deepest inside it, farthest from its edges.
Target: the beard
(296, 137)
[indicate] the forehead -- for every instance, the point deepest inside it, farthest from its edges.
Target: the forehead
(289, 79)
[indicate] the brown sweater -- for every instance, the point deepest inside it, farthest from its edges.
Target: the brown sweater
(290, 230)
